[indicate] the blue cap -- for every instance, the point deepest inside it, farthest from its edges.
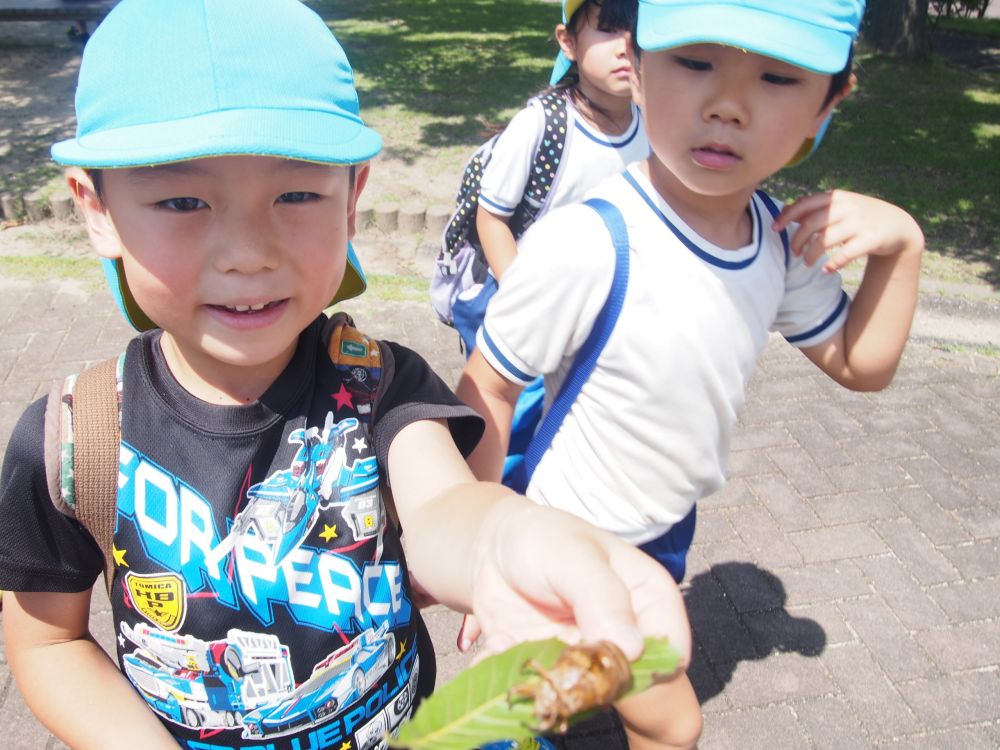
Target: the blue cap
(563, 63)
(171, 81)
(813, 34)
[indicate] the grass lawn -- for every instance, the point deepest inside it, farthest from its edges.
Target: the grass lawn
(430, 74)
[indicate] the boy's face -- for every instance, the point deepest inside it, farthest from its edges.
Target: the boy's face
(720, 120)
(232, 256)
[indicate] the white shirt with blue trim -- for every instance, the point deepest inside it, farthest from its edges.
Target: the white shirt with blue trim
(588, 158)
(649, 434)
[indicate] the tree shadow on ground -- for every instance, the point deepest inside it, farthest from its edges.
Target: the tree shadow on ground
(737, 613)
(440, 57)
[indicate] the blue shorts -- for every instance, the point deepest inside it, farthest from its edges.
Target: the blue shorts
(671, 549)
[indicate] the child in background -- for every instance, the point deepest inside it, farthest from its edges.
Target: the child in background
(217, 165)
(730, 94)
(604, 134)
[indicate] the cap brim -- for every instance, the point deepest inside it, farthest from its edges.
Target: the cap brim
(323, 137)
(817, 48)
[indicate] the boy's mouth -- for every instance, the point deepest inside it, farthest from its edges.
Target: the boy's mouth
(715, 156)
(248, 308)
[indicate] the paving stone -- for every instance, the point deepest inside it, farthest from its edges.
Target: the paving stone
(855, 507)
(838, 543)
(975, 560)
(879, 708)
(21, 730)
(787, 506)
(831, 724)
(981, 521)
(947, 452)
(968, 601)
(773, 727)
(916, 552)
(813, 437)
(777, 678)
(914, 607)
(894, 648)
(962, 738)
(747, 437)
(939, 525)
(939, 484)
(714, 526)
(823, 582)
(749, 463)
(870, 476)
(714, 620)
(734, 494)
(767, 544)
(972, 646)
(802, 471)
(955, 699)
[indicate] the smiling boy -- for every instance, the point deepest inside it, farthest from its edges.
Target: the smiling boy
(259, 590)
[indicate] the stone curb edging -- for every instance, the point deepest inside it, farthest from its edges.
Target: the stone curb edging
(410, 217)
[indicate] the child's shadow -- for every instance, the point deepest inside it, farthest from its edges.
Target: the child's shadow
(737, 613)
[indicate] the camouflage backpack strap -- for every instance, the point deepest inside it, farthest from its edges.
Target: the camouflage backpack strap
(82, 439)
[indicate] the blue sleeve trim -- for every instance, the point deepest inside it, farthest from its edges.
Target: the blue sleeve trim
(493, 204)
(844, 300)
(503, 361)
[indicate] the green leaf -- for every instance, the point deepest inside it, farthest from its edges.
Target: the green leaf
(473, 709)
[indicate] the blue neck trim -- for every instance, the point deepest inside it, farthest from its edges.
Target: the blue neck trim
(691, 245)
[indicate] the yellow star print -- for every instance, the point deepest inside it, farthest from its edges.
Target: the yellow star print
(346, 746)
(401, 649)
(329, 532)
(119, 555)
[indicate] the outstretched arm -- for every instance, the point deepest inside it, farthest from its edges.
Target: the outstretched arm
(526, 571)
(68, 681)
(842, 226)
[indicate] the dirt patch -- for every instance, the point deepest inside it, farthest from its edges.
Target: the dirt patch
(967, 51)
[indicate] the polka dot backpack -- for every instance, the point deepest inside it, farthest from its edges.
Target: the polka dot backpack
(461, 263)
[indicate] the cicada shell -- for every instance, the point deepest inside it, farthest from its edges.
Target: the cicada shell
(584, 677)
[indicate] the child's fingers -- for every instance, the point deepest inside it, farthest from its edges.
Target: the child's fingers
(840, 255)
(817, 203)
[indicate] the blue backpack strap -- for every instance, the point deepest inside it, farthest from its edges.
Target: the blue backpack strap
(773, 209)
(586, 359)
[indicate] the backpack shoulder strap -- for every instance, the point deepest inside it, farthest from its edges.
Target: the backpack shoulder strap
(772, 208)
(546, 161)
(366, 362)
(82, 439)
(586, 358)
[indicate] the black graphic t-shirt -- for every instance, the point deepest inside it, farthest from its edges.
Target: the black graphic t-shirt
(260, 594)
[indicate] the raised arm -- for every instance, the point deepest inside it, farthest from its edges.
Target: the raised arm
(842, 226)
(67, 679)
(526, 571)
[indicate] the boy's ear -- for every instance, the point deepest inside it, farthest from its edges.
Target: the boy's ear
(100, 229)
(566, 41)
(835, 100)
(361, 172)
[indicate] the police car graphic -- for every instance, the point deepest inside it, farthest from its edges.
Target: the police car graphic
(336, 682)
(284, 507)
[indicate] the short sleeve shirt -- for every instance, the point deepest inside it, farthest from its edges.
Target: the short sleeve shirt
(649, 433)
(260, 593)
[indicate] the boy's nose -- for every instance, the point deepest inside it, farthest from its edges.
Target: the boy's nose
(245, 244)
(727, 106)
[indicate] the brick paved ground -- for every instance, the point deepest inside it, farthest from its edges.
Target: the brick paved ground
(845, 586)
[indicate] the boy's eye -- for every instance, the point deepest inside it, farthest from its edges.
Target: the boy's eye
(687, 62)
(183, 204)
(779, 80)
(297, 196)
